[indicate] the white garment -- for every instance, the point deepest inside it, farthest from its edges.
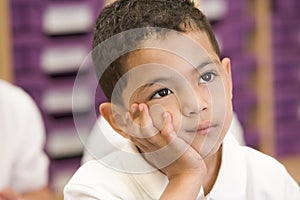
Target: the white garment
(110, 141)
(237, 130)
(244, 174)
(24, 166)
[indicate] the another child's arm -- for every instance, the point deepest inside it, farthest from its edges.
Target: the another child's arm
(185, 173)
(10, 194)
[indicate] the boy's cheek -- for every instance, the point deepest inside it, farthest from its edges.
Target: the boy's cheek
(156, 113)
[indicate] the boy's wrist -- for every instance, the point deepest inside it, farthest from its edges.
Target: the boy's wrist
(188, 178)
(183, 186)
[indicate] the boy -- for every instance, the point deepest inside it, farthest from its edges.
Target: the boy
(170, 95)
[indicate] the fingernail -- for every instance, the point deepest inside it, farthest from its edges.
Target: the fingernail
(126, 116)
(141, 107)
(133, 107)
(165, 115)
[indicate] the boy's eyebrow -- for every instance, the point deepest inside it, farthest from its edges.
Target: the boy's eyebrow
(206, 62)
(158, 80)
(201, 65)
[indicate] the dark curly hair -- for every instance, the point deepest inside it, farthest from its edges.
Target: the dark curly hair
(125, 15)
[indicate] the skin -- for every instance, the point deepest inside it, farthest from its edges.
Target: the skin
(168, 115)
(10, 194)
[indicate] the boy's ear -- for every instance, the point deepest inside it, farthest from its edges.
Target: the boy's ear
(114, 118)
(227, 67)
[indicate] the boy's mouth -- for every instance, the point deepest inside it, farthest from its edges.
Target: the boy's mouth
(203, 128)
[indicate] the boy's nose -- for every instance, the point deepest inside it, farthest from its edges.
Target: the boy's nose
(193, 105)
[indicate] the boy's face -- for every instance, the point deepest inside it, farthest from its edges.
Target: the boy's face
(188, 82)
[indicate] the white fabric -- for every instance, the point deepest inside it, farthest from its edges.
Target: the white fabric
(237, 130)
(244, 174)
(24, 166)
(110, 141)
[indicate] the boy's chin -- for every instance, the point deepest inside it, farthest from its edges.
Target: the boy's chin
(207, 152)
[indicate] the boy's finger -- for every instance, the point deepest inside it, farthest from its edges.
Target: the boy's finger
(150, 144)
(133, 125)
(142, 129)
(147, 128)
(168, 129)
(134, 110)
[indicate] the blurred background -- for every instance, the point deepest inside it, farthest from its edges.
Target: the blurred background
(43, 43)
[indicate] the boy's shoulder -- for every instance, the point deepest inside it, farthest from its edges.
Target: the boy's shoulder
(93, 179)
(113, 176)
(253, 160)
(263, 168)
(270, 176)
(246, 173)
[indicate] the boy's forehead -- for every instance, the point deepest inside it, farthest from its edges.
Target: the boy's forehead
(193, 47)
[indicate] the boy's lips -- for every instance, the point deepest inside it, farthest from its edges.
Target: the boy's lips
(203, 128)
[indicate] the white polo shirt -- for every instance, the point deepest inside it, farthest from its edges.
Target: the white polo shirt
(244, 174)
(23, 164)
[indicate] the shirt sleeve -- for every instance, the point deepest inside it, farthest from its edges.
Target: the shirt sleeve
(93, 180)
(81, 192)
(292, 189)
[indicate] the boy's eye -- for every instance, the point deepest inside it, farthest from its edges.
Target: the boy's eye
(207, 77)
(161, 93)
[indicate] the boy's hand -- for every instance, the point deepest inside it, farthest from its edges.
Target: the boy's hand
(10, 194)
(162, 148)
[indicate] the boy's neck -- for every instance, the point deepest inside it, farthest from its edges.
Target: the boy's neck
(213, 164)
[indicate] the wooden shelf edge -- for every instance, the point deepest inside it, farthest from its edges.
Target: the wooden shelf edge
(263, 50)
(292, 164)
(5, 42)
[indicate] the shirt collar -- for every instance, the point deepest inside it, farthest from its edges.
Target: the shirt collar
(231, 180)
